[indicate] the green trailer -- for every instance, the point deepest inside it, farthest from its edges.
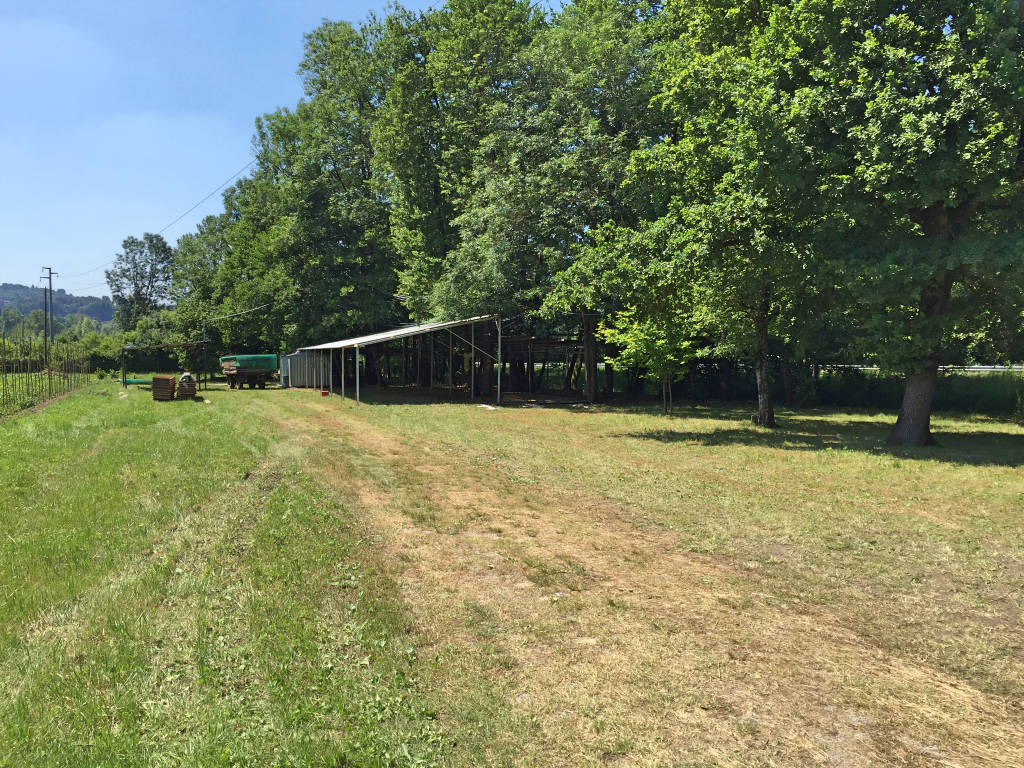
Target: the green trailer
(254, 370)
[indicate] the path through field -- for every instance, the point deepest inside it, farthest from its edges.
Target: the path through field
(270, 577)
(607, 636)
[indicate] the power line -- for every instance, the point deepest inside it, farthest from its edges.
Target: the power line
(84, 287)
(236, 314)
(231, 178)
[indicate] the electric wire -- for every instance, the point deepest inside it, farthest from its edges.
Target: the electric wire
(231, 178)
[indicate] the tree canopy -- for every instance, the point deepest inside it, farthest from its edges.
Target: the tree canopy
(776, 183)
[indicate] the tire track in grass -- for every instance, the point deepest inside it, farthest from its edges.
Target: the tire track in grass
(610, 644)
(257, 631)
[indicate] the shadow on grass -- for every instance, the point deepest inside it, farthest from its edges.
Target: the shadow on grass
(816, 429)
(981, 448)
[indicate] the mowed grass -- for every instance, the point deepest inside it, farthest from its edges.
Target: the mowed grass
(276, 578)
(797, 596)
(178, 591)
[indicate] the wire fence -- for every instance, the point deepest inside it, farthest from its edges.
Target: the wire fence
(32, 372)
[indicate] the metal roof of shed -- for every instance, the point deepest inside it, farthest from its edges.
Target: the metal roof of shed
(397, 333)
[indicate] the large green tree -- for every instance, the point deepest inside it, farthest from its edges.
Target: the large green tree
(913, 116)
(307, 232)
(140, 279)
(456, 70)
(725, 248)
(549, 172)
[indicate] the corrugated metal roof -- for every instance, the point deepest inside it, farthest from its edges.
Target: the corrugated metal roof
(398, 333)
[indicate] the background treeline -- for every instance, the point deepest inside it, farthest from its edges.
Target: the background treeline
(18, 300)
(779, 185)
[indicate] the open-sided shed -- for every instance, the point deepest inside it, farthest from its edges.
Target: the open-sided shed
(313, 366)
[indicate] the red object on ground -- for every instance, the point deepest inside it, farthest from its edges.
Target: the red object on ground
(324, 393)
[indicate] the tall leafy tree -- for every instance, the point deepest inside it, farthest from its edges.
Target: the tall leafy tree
(912, 119)
(140, 279)
(549, 172)
(727, 236)
(459, 66)
(307, 233)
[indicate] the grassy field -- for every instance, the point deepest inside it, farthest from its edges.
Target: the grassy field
(276, 578)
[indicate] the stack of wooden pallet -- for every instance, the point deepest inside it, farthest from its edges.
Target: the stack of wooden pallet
(187, 389)
(163, 387)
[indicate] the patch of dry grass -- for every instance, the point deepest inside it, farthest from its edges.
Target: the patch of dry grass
(615, 586)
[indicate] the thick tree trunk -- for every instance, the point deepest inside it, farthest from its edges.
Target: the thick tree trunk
(765, 408)
(913, 425)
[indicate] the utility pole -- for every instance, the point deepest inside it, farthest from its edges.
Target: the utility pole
(49, 276)
(48, 327)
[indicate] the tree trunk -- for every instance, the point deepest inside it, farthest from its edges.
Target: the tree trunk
(913, 425)
(765, 408)
(570, 373)
(609, 380)
(589, 357)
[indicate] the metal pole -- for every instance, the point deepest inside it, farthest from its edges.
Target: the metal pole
(451, 365)
(46, 325)
(330, 371)
(432, 356)
(357, 374)
(342, 373)
(499, 359)
(472, 361)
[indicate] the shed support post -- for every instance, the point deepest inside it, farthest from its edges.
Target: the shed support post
(342, 373)
(330, 371)
(451, 365)
(431, 362)
(472, 361)
(357, 375)
(419, 362)
(499, 359)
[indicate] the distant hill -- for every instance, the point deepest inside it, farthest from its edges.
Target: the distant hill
(25, 298)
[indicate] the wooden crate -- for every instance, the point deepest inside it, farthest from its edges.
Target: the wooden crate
(163, 387)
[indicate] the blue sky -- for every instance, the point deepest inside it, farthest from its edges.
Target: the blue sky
(120, 116)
